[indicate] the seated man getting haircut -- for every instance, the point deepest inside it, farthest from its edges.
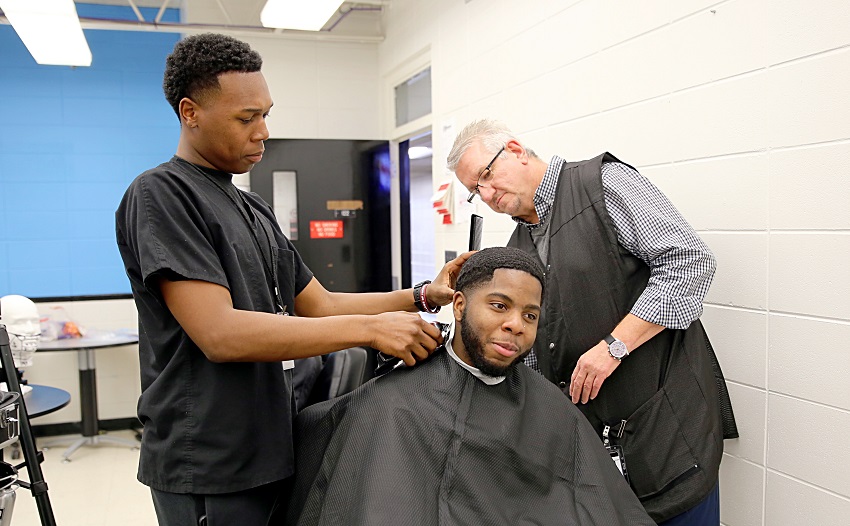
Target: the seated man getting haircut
(471, 436)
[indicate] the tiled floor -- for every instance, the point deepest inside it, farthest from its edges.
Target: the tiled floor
(97, 488)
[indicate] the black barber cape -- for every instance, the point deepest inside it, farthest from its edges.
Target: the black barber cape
(434, 445)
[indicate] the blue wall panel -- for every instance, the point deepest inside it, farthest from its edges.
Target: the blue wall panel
(52, 167)
(71, 140)
(42, 256)
(40, 283)
(98, 167)
(4, 264)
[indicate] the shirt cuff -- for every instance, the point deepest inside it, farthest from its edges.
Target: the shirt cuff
(672, 312)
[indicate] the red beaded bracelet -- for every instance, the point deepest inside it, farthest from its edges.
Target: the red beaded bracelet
(424, 300)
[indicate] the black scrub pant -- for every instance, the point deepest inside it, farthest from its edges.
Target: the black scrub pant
(706, 513)
(259, 506)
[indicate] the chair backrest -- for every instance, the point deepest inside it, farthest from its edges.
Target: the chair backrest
(343, 372)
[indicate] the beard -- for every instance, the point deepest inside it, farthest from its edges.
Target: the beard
(473, 342)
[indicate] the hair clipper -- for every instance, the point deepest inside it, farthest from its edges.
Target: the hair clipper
(387, 363)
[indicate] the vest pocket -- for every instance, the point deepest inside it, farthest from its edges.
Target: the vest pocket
(657, 455)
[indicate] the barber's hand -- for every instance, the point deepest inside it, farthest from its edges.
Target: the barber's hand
(441, 291)
(593, 368)
(404, 335)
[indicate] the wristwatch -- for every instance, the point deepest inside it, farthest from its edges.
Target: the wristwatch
(420, 300)
(616, 348)
(417, 295)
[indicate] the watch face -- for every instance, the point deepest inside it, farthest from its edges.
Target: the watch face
(617, 349)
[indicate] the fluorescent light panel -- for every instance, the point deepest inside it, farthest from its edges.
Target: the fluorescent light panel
(418, 152)
(307, 15)
(50, 29)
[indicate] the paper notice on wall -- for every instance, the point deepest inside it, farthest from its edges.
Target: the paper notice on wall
(441, 200)
(449, 202)
(462, 209)
(448, 133)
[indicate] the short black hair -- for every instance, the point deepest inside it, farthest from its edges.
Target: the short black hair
(196, 62)
(479, 268)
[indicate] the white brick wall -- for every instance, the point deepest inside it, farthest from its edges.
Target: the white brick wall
(736, 109)
(321, 90)
(793, 338)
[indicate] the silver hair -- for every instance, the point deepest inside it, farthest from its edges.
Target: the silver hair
(492, 134)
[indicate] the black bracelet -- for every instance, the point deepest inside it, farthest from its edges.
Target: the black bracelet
(417, 295)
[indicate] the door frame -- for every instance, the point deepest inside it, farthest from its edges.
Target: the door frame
(414, 64)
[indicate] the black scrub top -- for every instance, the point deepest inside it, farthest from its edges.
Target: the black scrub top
(208, 427)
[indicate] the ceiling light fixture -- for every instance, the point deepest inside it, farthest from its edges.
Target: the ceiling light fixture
(50, 29)
(311, 15)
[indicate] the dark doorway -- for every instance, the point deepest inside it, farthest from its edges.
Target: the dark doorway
(336, 171)
(404, 211)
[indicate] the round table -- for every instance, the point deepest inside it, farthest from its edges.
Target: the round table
(43, 400)
(85, 348)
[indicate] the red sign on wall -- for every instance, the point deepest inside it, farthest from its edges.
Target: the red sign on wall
(325, 229)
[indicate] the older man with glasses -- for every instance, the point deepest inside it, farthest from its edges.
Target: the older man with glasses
(484, 177)
(620, 331)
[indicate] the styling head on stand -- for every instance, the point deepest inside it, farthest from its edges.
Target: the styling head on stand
(14, 422)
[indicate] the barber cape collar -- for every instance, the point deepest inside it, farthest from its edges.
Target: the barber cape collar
(487, 379)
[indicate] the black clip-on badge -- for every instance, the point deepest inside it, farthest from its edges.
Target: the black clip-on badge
(616, 450)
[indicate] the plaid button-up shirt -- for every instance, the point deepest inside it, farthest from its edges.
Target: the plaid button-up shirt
(649, 226)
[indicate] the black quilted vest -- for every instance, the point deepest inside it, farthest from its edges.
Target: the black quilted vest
(669, 391)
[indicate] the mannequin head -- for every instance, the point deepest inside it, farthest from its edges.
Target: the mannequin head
(20, 317)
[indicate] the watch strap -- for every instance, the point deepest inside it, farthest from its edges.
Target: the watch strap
(417, 296)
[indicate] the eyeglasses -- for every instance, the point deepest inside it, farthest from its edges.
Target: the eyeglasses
(485, 177)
